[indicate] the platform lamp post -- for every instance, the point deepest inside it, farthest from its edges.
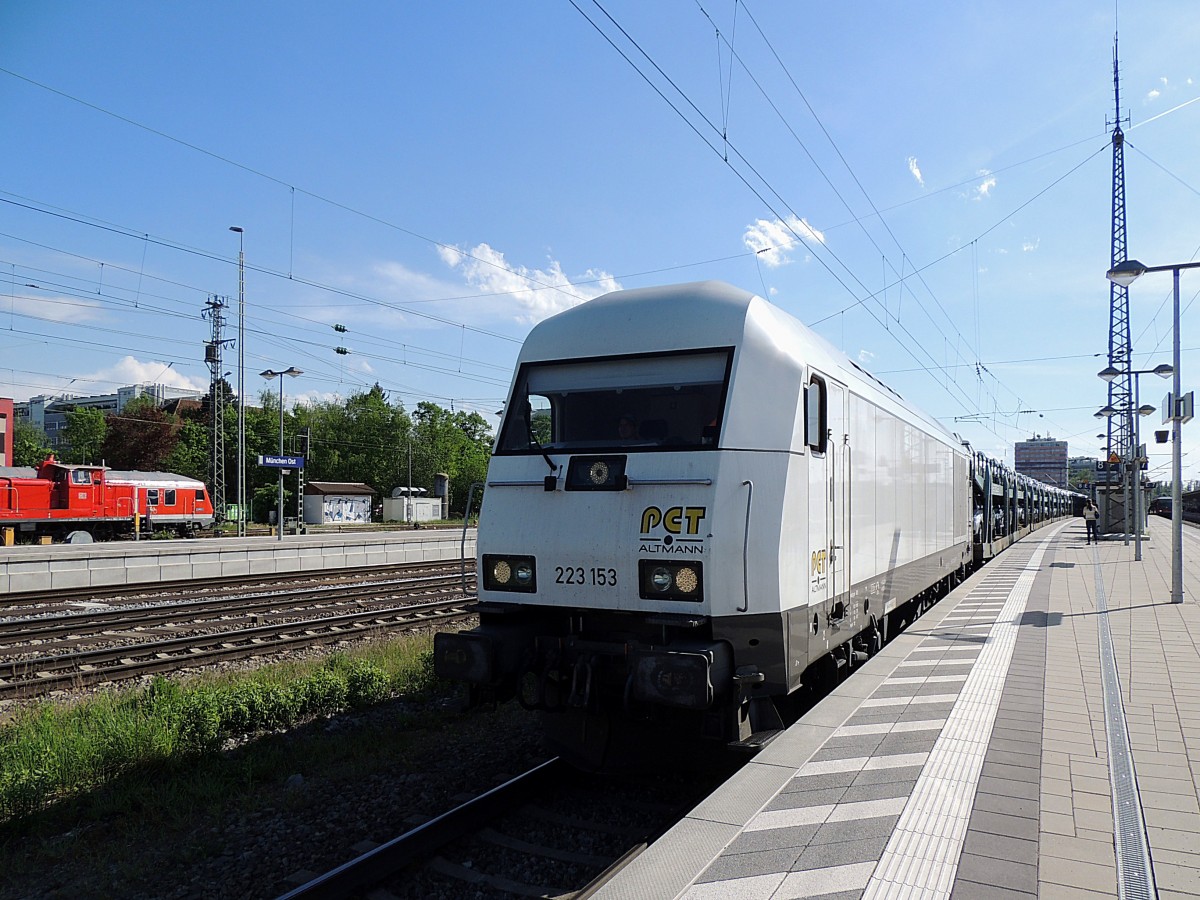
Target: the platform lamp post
(269, 374)
(1125, 274)
(241, 381)
(1109, 373)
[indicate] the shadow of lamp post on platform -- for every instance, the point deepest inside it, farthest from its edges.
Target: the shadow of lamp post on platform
(1125, 274)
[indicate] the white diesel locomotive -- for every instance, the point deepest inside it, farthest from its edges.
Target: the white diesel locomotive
(696, 506)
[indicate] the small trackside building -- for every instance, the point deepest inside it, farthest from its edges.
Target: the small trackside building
(337, 503)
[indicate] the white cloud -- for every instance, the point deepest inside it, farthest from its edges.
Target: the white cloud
(984, 189)
(772, 239)
(539, 293)
(1154, 94)
(915, 170)
(865, 356)
(1029, 246)
(128, 370)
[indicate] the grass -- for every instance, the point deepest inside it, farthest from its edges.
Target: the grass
(116, 752)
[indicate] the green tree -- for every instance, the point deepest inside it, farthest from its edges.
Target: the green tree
(85, 435)
(30, 444)
(361, 439)
(455, 443)
(141, 436)
(192, 453)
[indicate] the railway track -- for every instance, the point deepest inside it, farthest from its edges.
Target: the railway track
(551, 832)
(196, 612)
(32, 677)
(54, 650)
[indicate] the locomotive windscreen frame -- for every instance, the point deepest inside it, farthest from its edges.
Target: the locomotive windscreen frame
(669, 401)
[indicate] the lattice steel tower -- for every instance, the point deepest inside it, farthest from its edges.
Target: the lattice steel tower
(1120, 350)
(214, 311)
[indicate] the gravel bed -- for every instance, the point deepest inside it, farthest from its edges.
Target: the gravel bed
(380, 775)
(276, 835)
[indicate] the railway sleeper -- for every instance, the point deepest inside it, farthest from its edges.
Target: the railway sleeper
(491, 836)
(459, 872)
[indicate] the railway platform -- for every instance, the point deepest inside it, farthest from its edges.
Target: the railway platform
(1035, 734)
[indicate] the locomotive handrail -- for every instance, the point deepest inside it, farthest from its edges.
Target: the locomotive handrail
(633, 481)
(746, 550)
(466, 521)
(538, 483)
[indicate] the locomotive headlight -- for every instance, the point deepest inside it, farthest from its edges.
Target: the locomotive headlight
(687, 580)
(598, 472)
(503, 572)
(662, 580)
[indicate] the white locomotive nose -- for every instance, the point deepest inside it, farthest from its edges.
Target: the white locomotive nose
(644, 580)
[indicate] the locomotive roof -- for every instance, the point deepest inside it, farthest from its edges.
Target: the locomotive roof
(114, 475)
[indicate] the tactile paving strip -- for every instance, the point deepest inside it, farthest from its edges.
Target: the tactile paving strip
(921, 857)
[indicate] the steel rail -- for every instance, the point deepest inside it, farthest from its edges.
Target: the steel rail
(44, 627)
(387, 859)
(92, 666)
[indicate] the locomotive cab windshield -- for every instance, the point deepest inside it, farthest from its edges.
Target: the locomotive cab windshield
(669, 401)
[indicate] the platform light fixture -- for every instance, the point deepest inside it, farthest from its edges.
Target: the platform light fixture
(1109, 374)
(241, 380)
(1126, 273)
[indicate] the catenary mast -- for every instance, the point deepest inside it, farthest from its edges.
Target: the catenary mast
(1120, 350)
(214, 311)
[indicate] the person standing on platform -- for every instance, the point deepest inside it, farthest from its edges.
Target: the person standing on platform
(1091, 515)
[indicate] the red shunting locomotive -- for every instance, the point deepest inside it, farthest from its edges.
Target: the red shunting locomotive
(81, 503)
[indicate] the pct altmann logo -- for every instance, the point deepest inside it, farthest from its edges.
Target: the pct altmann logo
(674, 530)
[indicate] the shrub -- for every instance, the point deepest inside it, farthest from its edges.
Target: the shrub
(198, 721)
(366, 684)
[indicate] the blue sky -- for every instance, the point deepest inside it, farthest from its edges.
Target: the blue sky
(926, 184)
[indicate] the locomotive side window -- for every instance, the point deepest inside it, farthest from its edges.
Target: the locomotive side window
(169, 497)
(81, 476)
(199, 495)
(815, 414)
(152, 497)
(664, 402)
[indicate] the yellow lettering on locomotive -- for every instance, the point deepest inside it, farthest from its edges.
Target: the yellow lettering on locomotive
(676, 520)
(818, 562)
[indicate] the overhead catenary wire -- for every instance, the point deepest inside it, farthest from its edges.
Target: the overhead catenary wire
(817, 248)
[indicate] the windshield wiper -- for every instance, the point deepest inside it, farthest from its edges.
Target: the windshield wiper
(536, 445)
(546, 456)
